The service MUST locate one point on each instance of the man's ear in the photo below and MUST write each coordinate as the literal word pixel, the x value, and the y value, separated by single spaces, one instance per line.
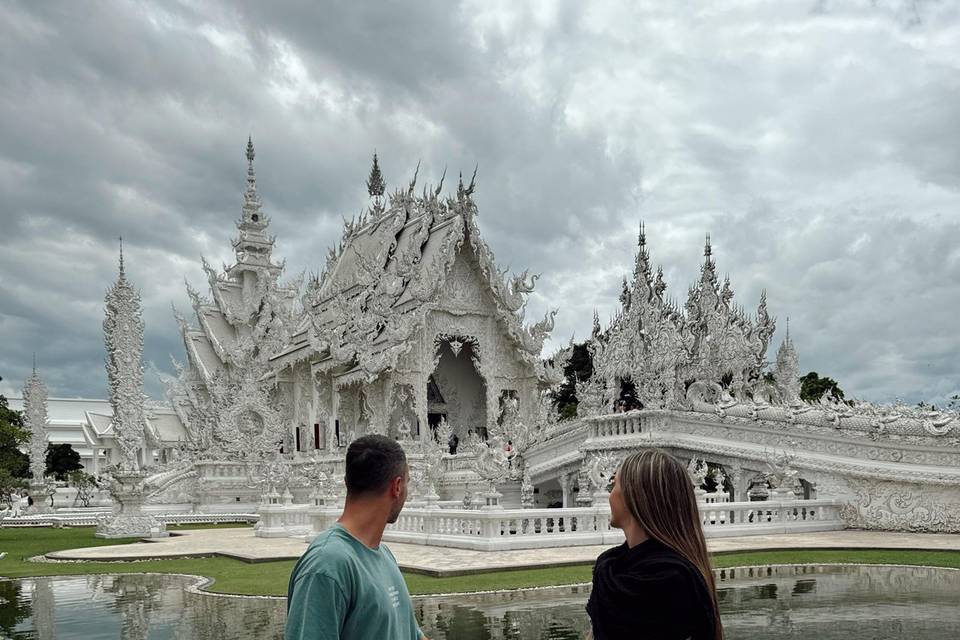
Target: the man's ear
pixel 396 487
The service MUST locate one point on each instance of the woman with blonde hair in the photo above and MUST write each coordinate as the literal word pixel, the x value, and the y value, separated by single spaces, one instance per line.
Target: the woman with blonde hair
pixel 658 585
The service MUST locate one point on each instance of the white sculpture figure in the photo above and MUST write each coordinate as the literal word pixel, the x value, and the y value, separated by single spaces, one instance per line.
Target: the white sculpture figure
pixel 697 469
pixel 491 464
pixel 782 476
pixel 600 471
pixel 720 478
pixel 430 466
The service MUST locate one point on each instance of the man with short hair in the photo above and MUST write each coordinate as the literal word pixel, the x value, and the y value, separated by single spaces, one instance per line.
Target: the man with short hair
pixel 347 585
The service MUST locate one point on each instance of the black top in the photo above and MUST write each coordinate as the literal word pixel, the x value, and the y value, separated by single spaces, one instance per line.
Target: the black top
pixel 649 592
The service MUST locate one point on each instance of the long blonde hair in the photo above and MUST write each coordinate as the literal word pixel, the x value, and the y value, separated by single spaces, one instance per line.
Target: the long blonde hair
pixel 658 493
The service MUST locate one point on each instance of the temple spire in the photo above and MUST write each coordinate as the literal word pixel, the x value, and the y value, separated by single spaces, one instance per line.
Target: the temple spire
pixel 36 422
pixel 253 246
pixel 642 237
pixel 121 257
pixel 123 338
pixel 707 250
pixel 251 201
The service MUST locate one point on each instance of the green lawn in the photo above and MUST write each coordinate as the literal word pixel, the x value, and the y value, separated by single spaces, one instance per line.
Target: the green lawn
pixel 270 578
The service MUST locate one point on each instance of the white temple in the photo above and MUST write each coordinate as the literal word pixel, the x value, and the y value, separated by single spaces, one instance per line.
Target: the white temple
pixel 412 330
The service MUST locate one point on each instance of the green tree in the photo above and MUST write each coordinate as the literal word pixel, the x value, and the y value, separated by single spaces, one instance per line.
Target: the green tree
pixel 13 462
pixel 813 387
pixel 579 368
pixel 61 460
pixel 85 484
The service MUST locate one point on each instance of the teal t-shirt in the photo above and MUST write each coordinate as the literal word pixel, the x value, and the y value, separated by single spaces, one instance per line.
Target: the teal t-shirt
pixel 341 588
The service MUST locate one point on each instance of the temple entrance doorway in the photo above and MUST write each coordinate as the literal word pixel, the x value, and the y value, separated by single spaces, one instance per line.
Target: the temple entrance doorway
pixel 627 396
pixel 456 392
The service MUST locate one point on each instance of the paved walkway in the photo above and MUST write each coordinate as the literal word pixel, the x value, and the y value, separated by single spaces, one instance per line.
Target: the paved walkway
pixel 440 561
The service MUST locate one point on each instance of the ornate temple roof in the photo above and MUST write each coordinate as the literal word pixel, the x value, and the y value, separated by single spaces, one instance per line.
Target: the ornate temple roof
pixel 388 271
pixel 662 348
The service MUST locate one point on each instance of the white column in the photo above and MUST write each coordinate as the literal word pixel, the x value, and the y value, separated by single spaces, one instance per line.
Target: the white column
pixel 334 411
pixel 420 395
pixel 315 443
pixel 95 463
pixel 565 487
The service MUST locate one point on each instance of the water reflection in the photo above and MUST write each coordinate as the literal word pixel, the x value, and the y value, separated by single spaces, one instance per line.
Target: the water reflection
pixel 832 603
pixel 544 614
pixel 131 607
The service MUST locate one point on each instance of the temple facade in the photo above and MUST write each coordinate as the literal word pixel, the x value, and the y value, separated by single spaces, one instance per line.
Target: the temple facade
pixel 412 330
pixel 410 325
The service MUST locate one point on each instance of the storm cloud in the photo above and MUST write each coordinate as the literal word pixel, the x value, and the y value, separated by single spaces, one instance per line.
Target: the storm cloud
pixel 816 142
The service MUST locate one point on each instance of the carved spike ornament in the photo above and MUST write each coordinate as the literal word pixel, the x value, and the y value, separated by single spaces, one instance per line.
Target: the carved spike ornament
pixel 123 337
pixel 35 420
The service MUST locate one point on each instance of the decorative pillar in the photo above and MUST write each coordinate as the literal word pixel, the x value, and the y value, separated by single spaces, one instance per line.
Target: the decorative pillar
pixel 420 402
pixel 36 422
pixel 123 337
pixel 334 413
pixel 584 499
pixel 565 488
pixel 296 394
pixel 736 479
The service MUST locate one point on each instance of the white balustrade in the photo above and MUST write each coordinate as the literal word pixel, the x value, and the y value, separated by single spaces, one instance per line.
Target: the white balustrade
pixel 617 425
pixel 769 517
pixel 535 528
pixel 278 520
pixel 88 518
pixel 506 529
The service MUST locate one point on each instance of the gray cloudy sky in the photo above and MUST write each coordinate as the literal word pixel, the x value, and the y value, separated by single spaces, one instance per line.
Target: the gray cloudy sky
pixel 818 142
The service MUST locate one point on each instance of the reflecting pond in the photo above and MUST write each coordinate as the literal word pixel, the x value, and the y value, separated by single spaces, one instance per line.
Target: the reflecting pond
pixel 829 602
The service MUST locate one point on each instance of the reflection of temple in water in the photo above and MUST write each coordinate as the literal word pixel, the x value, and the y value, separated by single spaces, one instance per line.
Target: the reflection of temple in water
pixel 140 606
pixel 827 602
pixel 534 613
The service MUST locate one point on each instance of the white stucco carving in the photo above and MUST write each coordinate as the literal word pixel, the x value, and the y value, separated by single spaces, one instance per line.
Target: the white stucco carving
pixel 411 328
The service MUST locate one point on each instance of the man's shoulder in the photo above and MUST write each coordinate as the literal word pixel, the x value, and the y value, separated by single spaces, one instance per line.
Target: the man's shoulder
pixel 330 553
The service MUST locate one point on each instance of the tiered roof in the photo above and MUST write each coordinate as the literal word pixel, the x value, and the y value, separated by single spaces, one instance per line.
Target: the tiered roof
pixel 662 347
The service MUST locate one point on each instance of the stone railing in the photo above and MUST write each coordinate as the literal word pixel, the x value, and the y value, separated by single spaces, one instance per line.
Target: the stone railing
pixel 89 518
pixel 939 428
pixel 562 428
pixel 535 528
pixel 283 520
pixel 211 469
pixel 506 529
pixel 769 517
pixel 498 530
pixel 617 424
pixel 459 462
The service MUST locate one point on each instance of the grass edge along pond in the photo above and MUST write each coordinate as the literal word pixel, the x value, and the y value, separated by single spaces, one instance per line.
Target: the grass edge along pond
pixel 270 578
